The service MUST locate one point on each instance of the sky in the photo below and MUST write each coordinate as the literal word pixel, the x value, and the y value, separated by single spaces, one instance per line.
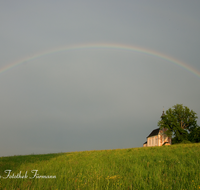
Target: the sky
pixel 93 75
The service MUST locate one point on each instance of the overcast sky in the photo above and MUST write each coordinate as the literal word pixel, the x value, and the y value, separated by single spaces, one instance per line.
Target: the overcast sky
pixel 93 98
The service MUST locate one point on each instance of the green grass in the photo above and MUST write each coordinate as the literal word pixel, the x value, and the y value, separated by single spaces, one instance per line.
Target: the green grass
pixel 168 167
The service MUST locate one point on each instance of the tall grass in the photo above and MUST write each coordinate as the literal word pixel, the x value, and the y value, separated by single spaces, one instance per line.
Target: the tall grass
pixel 168 167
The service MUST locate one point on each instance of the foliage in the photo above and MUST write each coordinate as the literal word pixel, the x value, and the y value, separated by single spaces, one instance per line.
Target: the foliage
pixel 194 136
pixel 185 142
pixel 180 122
pixel 167 167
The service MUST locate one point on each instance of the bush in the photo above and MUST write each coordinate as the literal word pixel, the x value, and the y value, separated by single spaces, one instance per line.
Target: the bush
pixel 185 142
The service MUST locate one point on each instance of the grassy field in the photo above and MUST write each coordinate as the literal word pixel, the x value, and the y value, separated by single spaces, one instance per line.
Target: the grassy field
pixel 168 167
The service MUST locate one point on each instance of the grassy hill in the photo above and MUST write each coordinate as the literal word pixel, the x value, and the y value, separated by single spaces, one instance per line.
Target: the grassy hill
pixel 168 167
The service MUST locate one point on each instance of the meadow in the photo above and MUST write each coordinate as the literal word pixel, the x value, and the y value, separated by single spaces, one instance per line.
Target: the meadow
pixel 167 167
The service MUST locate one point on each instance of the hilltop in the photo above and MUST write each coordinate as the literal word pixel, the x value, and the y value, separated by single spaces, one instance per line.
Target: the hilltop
pixel 166 167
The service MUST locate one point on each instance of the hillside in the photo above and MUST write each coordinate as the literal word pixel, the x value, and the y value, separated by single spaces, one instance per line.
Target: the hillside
pixel 167 167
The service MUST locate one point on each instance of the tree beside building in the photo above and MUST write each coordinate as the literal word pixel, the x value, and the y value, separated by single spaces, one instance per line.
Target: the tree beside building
pixel 180 123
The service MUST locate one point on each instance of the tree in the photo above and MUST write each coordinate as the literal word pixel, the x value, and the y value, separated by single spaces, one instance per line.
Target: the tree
pixel 194 136
pixel 180 122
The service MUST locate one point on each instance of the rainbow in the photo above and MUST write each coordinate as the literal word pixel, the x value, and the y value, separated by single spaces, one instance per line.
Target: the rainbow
pixel 102 46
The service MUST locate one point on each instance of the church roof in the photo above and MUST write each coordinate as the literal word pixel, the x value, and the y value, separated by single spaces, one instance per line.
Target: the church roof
pixel 154 132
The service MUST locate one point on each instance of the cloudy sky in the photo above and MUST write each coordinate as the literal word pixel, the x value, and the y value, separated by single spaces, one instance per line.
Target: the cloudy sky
pixel 100 97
